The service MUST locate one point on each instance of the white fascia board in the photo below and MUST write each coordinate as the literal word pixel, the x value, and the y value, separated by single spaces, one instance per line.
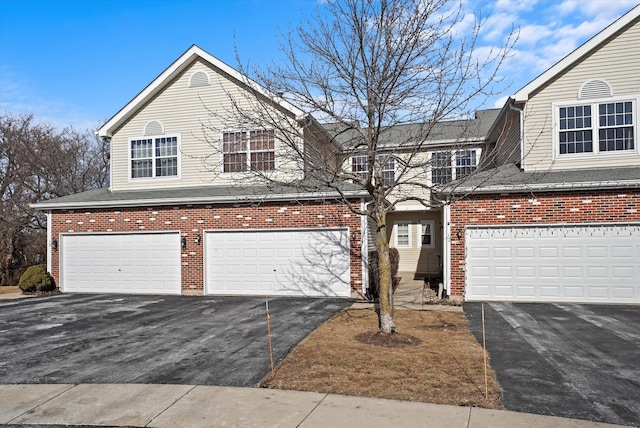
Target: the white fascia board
pixel 523 94
pixel 196 201
pixel 166 76
pixel 550 187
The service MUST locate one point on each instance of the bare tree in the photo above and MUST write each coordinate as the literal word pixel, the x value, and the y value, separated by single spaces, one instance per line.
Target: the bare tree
pixel 38 162
pixel 382 75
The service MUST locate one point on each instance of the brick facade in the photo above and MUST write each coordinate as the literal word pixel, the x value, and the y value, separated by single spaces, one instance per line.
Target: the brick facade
pixel 192 220
pixel 573 207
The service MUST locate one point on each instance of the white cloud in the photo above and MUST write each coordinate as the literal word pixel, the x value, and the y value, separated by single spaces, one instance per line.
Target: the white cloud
pixel 498 26
pixel 514 5
pixel 532 34
pixel 18 97
pixel 602 9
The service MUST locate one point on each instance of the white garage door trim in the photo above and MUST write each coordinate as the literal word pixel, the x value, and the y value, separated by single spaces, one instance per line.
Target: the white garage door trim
pixel 131 262
pixel 585 263
pixel 278 262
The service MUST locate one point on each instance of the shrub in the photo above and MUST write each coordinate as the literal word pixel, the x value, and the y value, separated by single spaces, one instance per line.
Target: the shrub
pixel 36 279
pixel 373 292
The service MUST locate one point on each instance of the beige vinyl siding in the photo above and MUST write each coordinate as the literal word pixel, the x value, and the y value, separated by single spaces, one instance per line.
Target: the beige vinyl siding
pixel 616 61
pixel 186 111
pixel 416 259
pixel 507 149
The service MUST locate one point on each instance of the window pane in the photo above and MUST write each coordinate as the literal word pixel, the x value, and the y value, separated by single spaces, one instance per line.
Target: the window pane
pixel 141 168
pixel 234 142
pixel 236 162
pixel 616 126
pixel 402 234
pixel 262 140
pixel 263 161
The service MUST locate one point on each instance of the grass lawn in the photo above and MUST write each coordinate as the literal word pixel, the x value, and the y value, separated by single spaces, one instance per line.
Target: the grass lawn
pixel 433 358
pixel 9 289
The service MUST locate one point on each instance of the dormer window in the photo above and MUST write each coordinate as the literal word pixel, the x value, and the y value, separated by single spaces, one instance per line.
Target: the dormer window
pixel 248 151
pixel 595 127
pixel 153 157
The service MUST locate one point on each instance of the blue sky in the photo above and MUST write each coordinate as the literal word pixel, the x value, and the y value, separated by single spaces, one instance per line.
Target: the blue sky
pixel 77 62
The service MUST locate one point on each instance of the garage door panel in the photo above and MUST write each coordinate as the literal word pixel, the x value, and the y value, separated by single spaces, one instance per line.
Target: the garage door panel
pixel 579 263
pixel 310 262
pixel 121 263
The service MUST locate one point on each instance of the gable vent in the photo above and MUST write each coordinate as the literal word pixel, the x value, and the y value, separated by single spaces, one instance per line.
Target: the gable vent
pixel 154 128
pixel 199 78
pixel 596 88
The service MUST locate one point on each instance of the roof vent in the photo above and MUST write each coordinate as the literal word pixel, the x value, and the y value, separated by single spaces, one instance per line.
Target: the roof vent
pixel 153 127
pixel 199 78
pixel 596 88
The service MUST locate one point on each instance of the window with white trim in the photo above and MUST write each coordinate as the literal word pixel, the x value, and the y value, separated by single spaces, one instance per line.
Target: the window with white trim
pixel 154 157
pixel 248 151
pixel 403 234
pixel 426 234
pixel 360 167
pixel 599 127
pixel 448 165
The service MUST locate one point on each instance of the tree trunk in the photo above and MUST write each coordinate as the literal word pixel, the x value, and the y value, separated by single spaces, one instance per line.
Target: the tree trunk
pixel 387 323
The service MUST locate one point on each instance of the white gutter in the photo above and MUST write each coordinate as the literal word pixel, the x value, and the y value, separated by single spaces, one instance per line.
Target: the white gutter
pixel 194 200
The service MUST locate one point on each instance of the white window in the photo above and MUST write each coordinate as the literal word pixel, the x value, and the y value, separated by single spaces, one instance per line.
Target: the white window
pixel 360 167
pixel 248 150
pixel 426 234
pixel 403 234
pixel 598 127
pixel 448 165
pixel 153 157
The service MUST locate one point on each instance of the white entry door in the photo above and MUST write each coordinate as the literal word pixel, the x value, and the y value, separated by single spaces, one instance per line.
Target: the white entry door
pixel 575 263
pixel 303 262
pixel 147 263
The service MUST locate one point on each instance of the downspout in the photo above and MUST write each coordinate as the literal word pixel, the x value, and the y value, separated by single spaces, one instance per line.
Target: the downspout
pixel 364 247
pixel 49 249
pixel 521 118
pixel 446 266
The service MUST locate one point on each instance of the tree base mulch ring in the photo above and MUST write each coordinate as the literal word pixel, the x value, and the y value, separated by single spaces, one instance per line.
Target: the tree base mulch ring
pixel 395 340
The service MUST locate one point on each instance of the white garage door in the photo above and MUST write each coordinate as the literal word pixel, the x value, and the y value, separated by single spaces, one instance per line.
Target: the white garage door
pixel 146 263
pixel 582 263
pixel 278 262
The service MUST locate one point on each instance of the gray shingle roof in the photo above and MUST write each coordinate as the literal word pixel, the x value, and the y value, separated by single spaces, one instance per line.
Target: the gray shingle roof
pixel 510 178
pixel 192 195
pixel 444 132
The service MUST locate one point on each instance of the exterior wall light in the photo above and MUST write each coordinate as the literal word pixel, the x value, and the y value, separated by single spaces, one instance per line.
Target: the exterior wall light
pixel 198 239
pixel 54 244
pixel 183 243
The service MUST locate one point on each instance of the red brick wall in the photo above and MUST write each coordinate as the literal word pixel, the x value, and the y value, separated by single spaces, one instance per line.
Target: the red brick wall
pixel 539 208
pixel 191 220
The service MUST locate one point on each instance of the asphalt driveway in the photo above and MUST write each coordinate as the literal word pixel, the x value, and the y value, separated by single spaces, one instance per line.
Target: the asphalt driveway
pixel 569 360
pixel 82 338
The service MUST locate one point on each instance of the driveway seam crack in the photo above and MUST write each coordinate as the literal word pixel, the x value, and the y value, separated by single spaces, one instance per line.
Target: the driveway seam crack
pixel 170 405
pixel 43 402
pixel 312 410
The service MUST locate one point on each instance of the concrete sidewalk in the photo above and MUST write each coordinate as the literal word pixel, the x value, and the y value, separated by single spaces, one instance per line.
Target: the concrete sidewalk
pixel 140 405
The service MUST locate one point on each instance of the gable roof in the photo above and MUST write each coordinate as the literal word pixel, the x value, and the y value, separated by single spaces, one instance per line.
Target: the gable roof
pixel 177 67
pixel 577 54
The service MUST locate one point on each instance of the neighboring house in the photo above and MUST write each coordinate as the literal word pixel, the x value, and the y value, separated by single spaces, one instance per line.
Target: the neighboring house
pixel 178 217
pixel 558 219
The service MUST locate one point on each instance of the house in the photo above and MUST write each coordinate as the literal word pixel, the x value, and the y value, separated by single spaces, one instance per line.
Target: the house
pixel 451 151
pixel 558 217
pixel 179 216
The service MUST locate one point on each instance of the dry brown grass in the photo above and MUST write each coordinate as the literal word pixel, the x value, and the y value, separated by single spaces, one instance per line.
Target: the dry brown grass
pixel 445 367
pixel 9 289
